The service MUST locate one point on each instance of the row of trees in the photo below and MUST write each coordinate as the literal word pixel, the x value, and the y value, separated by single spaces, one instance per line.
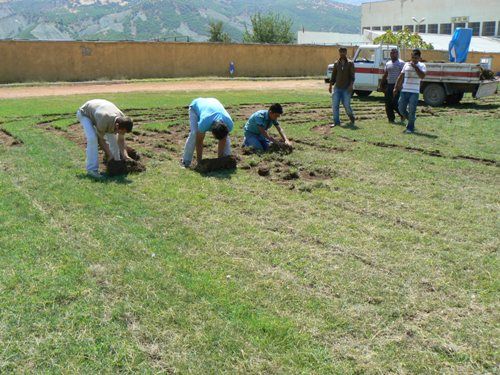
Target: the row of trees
pixel 273 28
pixel 266 28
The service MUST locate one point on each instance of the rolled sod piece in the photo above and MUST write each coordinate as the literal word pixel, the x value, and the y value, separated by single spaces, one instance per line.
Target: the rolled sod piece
pixel 280 147
pixel 217 164
pixel 133 153
pixel 122 167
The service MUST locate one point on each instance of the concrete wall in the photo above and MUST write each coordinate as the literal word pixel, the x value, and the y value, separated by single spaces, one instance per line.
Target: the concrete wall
pixel 23 61
pixel 400 12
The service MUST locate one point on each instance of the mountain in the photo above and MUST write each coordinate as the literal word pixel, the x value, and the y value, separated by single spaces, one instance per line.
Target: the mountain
pixel 161 19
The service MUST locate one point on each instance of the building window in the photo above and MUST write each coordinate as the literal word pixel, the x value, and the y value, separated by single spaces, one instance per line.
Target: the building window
pixel 475 26
pixel 376 28
pixel 445 28
pixel 385 28
pixel 459 24
pixel 410 27
pixel 421 28
pixel 397 28
pixel 366 28
pixel 432 28
pixel 489 28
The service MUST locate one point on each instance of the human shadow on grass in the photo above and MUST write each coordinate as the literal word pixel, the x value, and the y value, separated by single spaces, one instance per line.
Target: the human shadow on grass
pixel 425 135
pixel 350 127
pixel 225 174
pixel 122 180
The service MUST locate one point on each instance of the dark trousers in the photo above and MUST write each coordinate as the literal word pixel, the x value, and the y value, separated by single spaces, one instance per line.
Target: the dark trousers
pixel 391 102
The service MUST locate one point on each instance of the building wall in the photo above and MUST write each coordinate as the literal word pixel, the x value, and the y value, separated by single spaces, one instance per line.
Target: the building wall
pixel 400 12
pixel 85 61
pixel 23 61
pixel 324 38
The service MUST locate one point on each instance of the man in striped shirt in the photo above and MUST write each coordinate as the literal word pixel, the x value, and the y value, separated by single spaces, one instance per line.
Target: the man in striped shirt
pixel 409 84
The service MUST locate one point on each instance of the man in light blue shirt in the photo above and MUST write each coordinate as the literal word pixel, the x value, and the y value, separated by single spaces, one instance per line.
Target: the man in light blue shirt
pixel 257 126
pixel 207 114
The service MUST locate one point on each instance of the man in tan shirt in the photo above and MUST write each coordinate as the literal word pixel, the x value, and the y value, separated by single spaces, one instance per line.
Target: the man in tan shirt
pixel 342 78
pixel 104 125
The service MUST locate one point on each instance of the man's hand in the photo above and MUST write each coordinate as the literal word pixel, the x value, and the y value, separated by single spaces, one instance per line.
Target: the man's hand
pixel 287 142
pixel 330 89
pixel 128 158
pixel 351 88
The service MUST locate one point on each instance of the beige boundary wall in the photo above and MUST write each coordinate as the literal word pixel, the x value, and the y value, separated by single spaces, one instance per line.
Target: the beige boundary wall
pixel 27 61
pixel 22 61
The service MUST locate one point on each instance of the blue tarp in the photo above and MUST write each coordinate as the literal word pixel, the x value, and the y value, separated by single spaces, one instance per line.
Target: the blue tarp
pixel 459 45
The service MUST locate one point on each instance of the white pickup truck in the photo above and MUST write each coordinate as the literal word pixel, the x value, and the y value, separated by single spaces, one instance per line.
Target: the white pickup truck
pixel 443 83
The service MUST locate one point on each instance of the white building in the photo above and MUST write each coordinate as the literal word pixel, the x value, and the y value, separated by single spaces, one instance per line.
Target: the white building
pixel 433 16
pixel 325 38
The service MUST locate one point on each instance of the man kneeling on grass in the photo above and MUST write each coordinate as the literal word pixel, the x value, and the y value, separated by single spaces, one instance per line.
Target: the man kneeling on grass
pixel 207 114
pixel 256 135
pixel 104 125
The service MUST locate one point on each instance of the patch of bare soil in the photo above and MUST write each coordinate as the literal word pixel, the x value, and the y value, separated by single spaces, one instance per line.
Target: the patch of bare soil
pixel 63 89
pixel 7 139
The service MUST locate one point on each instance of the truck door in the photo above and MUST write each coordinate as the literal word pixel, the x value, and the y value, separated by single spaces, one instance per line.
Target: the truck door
pixel 367 68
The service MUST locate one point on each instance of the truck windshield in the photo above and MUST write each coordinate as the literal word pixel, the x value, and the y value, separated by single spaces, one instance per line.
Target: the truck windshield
pixel 365 55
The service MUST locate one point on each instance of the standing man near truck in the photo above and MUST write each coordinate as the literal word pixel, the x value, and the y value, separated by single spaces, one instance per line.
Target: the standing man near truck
pixel 343 75
pixel 409 84
pixel 393 69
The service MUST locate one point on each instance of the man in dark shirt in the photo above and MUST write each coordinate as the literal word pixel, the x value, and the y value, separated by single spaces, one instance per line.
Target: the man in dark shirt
pixel 342 78
pixel 392 71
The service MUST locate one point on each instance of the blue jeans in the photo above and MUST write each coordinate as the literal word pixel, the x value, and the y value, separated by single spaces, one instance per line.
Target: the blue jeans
pixel 256 141
pixel 343 95
pixel 408 102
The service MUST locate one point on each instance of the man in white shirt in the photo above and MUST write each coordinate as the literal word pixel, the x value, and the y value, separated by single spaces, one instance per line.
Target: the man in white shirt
pixel 409 84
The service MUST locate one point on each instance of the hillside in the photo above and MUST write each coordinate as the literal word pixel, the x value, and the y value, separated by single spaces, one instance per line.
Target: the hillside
pixel 161 19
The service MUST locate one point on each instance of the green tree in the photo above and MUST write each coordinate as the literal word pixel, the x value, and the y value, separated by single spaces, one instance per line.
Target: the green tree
pixel 217 34
pixel 270 28
pixel 404 39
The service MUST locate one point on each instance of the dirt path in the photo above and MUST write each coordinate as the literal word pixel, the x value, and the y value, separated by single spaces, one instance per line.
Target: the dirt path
pixel 9 92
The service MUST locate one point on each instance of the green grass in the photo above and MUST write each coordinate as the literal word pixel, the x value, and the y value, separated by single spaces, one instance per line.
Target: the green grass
pixel 388 266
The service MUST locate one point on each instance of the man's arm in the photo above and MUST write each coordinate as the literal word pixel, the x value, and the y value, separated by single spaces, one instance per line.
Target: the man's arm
pixel 123 147
pixel 104 146
pixel 222 145
pixel 333 78
pixel 265 134
pixel 399 83
pixel 283 135
pixel 199 146
pixel 353 76
pixel 420 73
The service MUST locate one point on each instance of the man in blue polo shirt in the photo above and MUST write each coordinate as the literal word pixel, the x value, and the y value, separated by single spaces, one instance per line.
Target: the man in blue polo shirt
pixel 207 114
pixel 256 135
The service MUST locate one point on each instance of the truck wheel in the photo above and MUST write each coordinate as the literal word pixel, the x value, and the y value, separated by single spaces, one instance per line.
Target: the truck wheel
pixel 454 98
pixel 362 94
pixel 434 95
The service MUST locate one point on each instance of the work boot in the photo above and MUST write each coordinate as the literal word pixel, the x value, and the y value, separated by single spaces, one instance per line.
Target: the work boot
pixel 353 120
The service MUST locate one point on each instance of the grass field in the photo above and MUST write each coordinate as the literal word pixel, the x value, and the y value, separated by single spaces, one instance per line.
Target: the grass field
pixel 366 250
